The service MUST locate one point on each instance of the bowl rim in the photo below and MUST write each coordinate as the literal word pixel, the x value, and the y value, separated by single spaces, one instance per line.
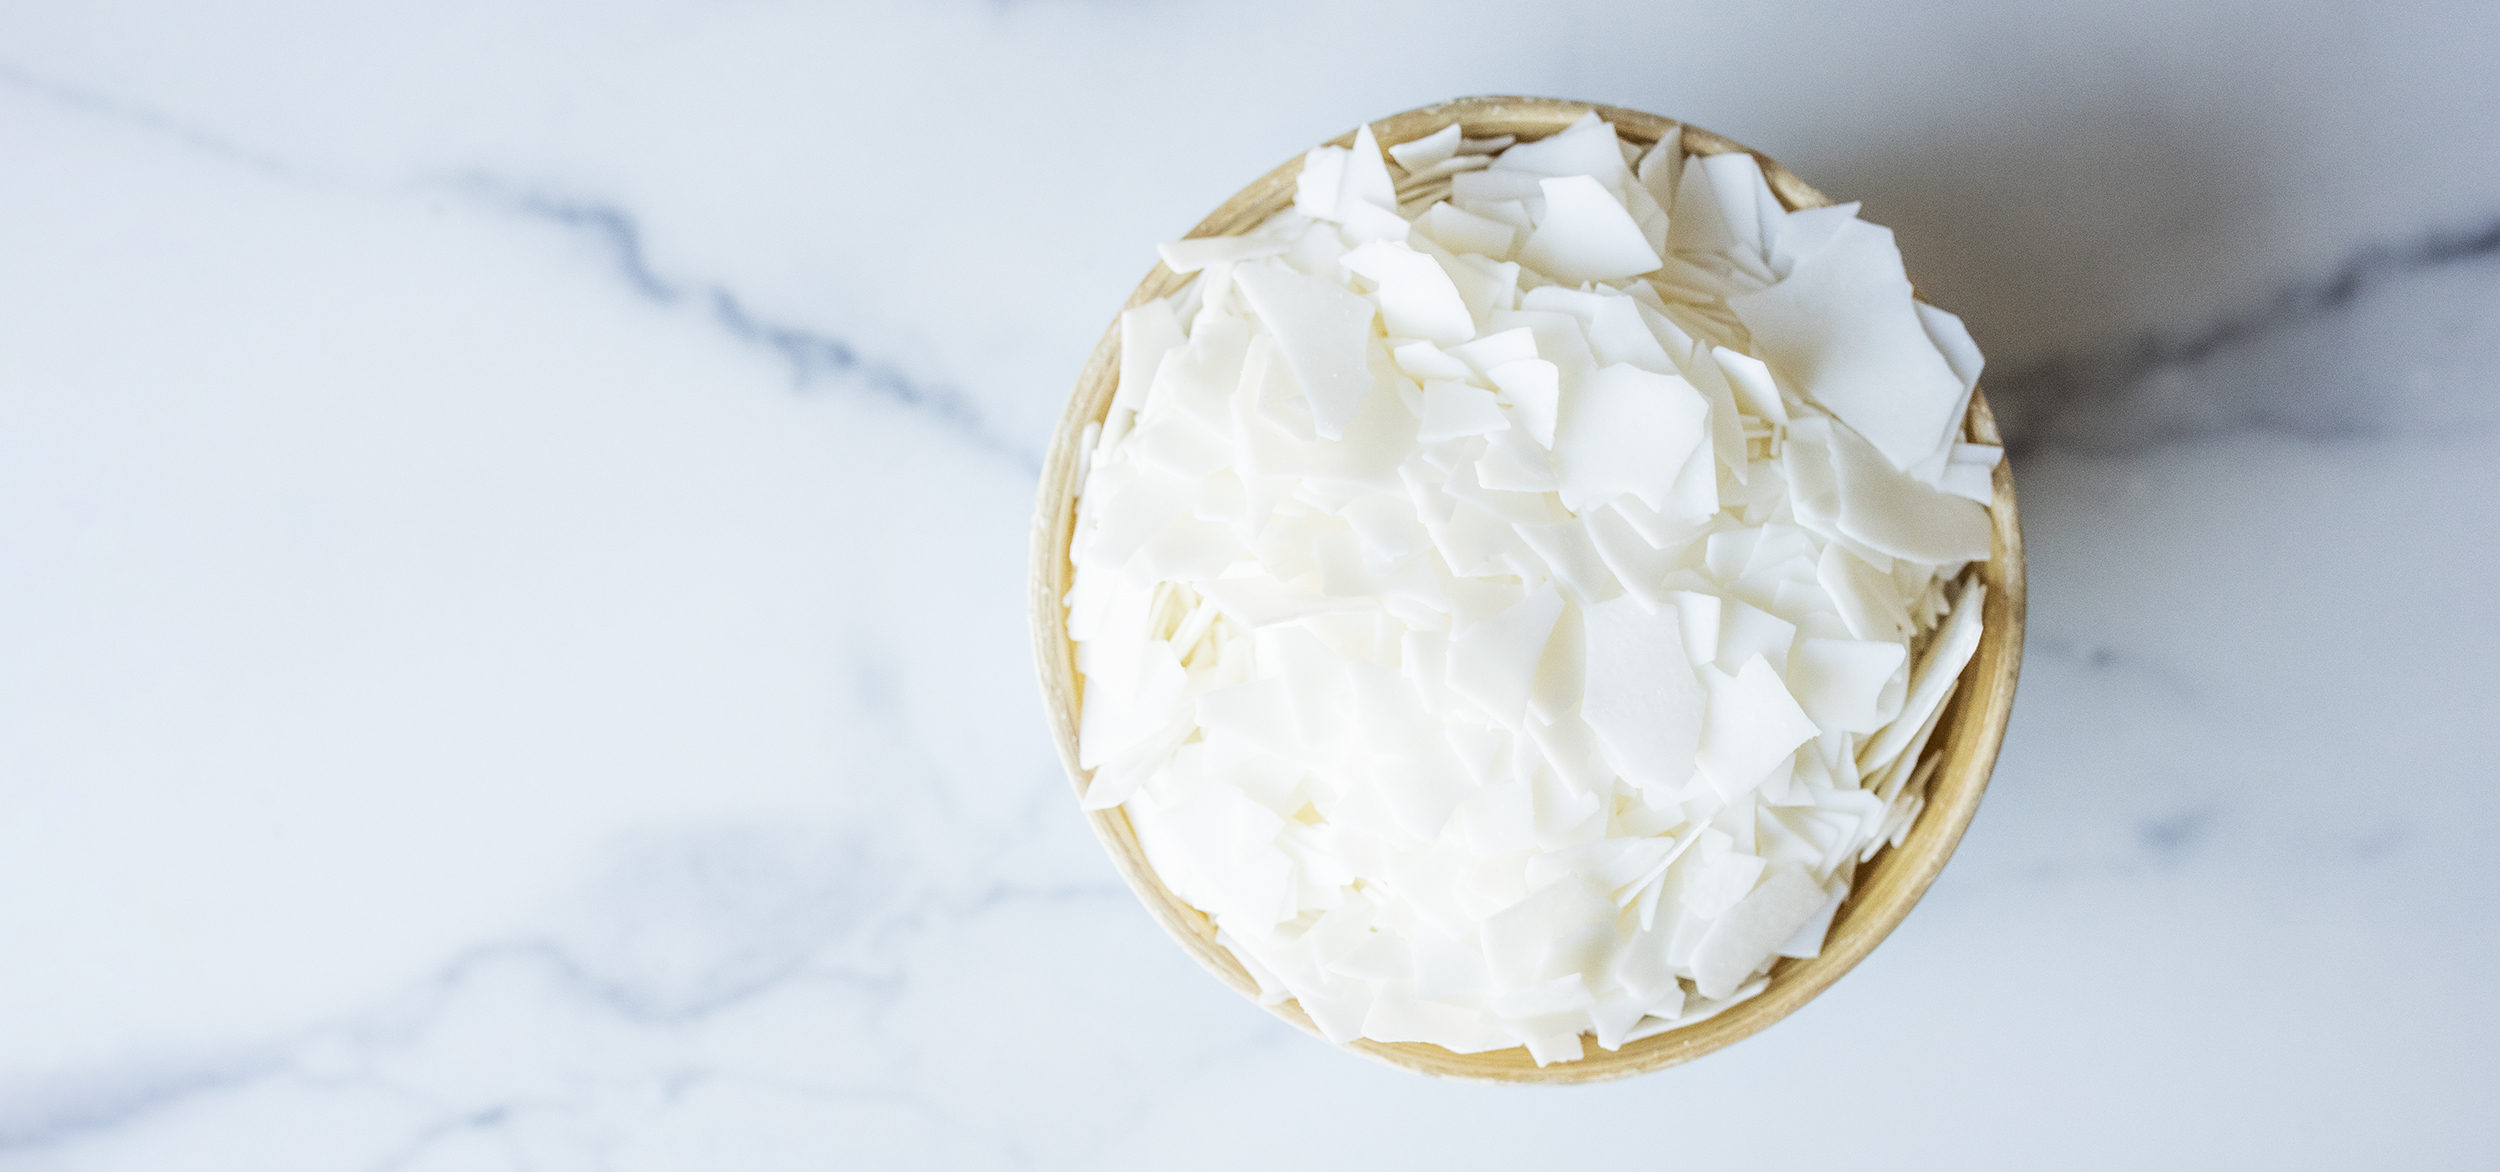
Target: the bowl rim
pixel 1967 738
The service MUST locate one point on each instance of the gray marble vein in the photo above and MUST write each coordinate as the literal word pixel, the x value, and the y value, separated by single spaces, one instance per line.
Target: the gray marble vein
pixel 814 358
pixel 2419 302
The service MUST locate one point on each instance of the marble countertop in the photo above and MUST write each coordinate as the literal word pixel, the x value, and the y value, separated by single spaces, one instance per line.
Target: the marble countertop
pixel 512 528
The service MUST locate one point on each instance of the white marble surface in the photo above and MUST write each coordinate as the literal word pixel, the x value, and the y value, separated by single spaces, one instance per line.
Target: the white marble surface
pixel 511 546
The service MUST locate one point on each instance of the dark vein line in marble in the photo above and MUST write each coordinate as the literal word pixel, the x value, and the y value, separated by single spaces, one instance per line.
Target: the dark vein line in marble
pixel 104 105
pixel 71 1107
pixel 2034 400
pixel 813 357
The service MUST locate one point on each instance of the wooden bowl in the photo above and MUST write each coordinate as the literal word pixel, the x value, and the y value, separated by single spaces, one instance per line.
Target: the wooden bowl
pixel 1967 737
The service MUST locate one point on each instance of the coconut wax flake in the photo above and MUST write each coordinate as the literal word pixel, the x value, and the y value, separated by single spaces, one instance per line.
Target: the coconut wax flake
pixel 1513 620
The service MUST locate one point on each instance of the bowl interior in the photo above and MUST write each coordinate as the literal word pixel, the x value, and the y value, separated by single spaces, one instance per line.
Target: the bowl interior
pixel 1967 737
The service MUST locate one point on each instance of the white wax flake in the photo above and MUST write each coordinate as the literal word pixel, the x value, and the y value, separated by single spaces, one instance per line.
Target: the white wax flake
pixel 1844 331
pixel 1970 473
pixel 1497 349
pixel 1191 255
pixel 1533 388
pixel 1423 360
pixel 1428 150
pixel 1586 235
pixel 1417 297
pixel 1494 662
pixel 1323 330
pixel 1463 231
pixel 1453 410
pixel 1841 683
pixel 1501 624
pixel 1753 725
pixel 1316 189
pixel 1743 938
pixel 1640 696
pixel 1898 515
pixel 1589 149
pixel 1146 334
pixel 1367 176
pixel 1627 431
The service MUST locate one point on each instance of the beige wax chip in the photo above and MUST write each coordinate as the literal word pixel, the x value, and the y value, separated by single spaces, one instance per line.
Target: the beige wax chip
pixel 1323 330
pixel 1843 329
pixel 1417 298
pixel 1628 431
pixel 1586 235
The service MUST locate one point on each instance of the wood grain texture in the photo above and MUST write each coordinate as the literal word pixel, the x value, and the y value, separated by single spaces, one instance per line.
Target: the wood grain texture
pixel 1968 737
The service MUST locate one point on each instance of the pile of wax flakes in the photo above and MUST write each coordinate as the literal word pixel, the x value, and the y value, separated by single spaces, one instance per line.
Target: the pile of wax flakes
pixel 1515 619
